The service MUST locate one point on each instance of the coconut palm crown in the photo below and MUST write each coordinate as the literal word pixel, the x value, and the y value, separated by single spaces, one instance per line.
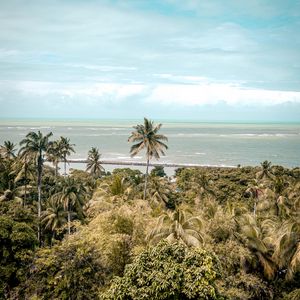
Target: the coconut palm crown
pixel 7 150
pixel 36 144
pixel 65 149
pixel 146 136
pixel 93 163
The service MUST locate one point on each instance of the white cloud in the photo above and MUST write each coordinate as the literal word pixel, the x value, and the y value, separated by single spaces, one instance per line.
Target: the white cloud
pixel 202 91
pixel 115 91
pixel 214 93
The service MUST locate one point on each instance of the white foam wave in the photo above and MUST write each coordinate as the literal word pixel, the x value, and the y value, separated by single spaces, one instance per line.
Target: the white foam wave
pixel 106 134
pixel 232 135
pixel 129 158
pixel 107 128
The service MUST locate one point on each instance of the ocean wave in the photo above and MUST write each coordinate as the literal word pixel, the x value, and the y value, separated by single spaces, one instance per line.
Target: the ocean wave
pixel 92 128
pixel 247 135
pixel 266 134
pixel 105 134
pixel 106 128
pixel 129 158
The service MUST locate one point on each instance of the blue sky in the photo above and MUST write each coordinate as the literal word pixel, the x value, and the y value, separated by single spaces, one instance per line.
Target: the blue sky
pixel 166 59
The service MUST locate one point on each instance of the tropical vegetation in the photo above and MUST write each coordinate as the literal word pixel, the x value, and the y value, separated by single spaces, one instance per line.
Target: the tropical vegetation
pixel 207 233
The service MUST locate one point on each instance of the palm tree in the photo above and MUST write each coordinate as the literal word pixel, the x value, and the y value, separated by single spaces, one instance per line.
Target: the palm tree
pixel 54 154
pixel 179 225
pixel 254 191
pixel 159 190
pixel 35 145
pixel 202 186
pixel 115 188
pixel 71 196
pixel 265 172
pixel 54 217
pixel 66 148
pixel 280 187
pixel 256 237
pixel 93 163
pixel 8 150
pixel 287 245
pixel 146 136
pixel 23 169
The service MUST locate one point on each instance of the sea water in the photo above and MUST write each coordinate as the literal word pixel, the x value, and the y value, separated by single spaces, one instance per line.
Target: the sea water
pixel 218 144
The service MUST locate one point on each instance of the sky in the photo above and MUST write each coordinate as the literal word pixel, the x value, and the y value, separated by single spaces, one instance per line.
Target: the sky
pixel 203 60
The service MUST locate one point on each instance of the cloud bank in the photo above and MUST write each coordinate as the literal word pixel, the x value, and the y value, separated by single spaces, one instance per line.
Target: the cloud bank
pixel 152 57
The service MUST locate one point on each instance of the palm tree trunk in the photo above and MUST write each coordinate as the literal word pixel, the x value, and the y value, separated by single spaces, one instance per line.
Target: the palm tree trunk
pixel 69 222
pixel 56 169
pixel 39 206
pixel 25 195
pixel 65 163
pixel 24 201
pixel 39 182
pixel 146 178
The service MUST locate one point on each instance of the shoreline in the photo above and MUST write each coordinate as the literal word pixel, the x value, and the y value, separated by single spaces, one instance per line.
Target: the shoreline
pixel 151 164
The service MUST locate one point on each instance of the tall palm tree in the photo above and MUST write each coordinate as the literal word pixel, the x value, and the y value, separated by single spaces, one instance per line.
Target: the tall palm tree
pixel 93 163
pixel 66 148
pixel 72 196
pixel 36 144
pixel 8 150
pixel 146 137
pixel 54 154
pixel 179 225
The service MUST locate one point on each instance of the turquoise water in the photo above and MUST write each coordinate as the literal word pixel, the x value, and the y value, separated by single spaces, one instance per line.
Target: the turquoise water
pixel 202 143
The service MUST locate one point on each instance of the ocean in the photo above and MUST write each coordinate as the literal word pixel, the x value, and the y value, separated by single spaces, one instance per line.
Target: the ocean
pixel 214 144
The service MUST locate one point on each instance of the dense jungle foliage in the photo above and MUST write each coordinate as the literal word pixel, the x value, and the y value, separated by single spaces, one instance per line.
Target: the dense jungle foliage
pixel 207 233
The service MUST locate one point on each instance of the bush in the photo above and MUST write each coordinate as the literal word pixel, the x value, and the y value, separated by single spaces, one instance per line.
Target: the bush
pixel 17 242
pixel 167 272
pixel 72 270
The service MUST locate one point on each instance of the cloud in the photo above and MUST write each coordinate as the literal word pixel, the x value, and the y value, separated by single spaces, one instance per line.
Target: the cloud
pixel 171 53
pixel 215 93
pixel 201 91
pixel 114 91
